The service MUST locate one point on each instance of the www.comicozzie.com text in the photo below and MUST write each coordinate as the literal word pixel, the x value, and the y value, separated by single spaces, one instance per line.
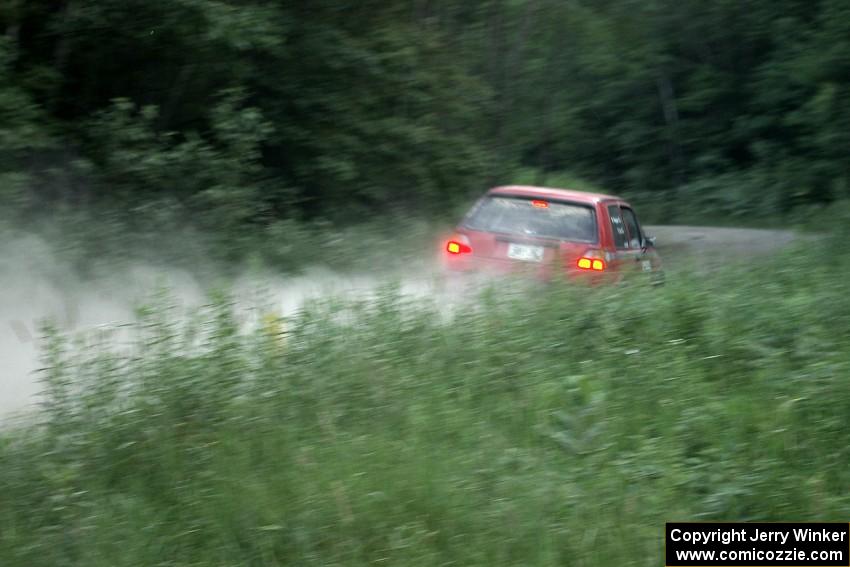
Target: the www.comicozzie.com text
pixel 743 534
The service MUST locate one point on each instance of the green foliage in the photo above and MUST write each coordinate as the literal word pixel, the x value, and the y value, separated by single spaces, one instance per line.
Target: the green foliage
pixel 343 111
pixel 213 178
pixel 21 120
pixel 526 429
pixel 370 120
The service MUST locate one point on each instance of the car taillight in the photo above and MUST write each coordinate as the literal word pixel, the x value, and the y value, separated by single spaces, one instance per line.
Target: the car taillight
pixel 458 245
pixel 589 262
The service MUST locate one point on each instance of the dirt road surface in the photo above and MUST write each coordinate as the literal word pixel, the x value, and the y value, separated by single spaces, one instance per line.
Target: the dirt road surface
pixel 677 244
pixel 36 286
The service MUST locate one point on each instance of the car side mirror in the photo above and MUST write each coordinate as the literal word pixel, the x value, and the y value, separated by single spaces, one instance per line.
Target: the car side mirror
pixel 649 241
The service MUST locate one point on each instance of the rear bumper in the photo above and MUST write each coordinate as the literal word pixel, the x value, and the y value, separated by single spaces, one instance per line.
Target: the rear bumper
pixel 459 266
pixel 490 268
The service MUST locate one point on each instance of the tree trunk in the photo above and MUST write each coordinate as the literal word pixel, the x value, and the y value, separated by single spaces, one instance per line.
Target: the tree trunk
pixel 63 48
pixel 667 97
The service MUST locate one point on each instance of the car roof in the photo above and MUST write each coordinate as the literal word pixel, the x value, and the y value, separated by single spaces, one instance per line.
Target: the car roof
pixel 552 193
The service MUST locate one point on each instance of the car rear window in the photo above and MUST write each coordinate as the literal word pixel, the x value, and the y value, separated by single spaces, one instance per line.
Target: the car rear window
pixel 534 217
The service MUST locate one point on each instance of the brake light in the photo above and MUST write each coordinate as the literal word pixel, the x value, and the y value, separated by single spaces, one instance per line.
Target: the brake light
pixel 540 204
pixel 595 264
pixel 455 247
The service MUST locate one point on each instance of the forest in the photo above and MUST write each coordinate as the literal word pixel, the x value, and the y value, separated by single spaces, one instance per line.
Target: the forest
pixel 250 120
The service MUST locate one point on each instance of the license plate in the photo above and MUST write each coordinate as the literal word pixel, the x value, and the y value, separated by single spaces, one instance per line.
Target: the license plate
pixel 525 253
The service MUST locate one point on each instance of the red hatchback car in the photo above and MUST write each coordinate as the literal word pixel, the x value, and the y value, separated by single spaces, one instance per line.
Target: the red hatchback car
pixel 543 232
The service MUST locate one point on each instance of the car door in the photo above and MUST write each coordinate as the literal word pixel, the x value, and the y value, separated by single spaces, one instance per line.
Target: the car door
pixel 648 259
pixel 629 256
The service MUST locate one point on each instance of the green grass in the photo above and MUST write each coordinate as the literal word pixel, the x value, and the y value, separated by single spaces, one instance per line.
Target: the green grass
pixel 558 427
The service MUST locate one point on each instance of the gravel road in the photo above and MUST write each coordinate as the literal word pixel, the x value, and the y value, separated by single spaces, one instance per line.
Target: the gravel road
pixel 709 246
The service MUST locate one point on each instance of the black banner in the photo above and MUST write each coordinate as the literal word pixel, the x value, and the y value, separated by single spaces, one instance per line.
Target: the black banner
pixel 757 544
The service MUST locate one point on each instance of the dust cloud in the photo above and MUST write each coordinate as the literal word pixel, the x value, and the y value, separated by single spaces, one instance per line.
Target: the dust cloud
pixel 38 286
